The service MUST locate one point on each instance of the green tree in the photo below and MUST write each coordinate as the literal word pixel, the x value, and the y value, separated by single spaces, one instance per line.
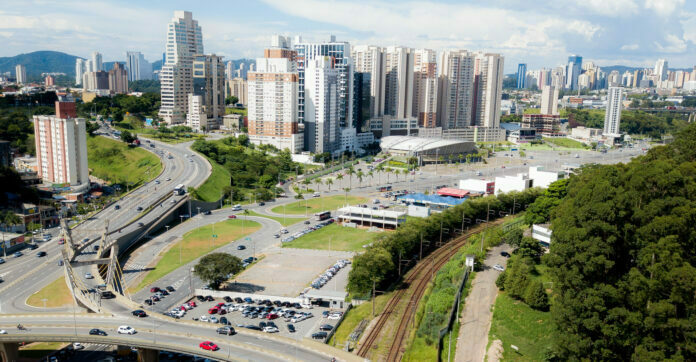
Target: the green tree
pixel 215 268
pixel 372 266
pixel 535 296
pixel 500 281
pixel 127 137
pixel 231 100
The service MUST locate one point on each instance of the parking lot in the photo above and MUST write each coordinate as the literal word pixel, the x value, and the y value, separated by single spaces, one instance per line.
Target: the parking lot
pixel 288 272
pixel 282 316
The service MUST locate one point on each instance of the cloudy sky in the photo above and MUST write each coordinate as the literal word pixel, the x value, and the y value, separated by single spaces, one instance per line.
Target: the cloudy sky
pixel 538 32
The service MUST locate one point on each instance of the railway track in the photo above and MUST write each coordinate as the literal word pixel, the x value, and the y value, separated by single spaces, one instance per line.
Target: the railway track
pixel 417 278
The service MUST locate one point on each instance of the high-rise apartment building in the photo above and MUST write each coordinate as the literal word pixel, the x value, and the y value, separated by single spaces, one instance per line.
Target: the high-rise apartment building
pixel 61 147
pixel 138 68
pixel 339 52
pixel 184 41
pixel 80 69
pixel 49 81
pixel 368 62
pixel 521 76
pixel 573 70
pixel 273 101
pixel 455 89
pixel 95 80
pixel 208 92
pixel 549 100
pixel 638 75
pixel 118 79
pixel 237 87
pixel 322 105
pixel 21 73
pixel 425 87
pixel 229 70
pixel 612 116
pixel 97 64
pixel 398 86
pixel 660 70
pixel 488 90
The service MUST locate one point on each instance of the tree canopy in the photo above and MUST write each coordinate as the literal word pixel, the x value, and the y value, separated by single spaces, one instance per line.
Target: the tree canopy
pixel 215 268
pixel 622 258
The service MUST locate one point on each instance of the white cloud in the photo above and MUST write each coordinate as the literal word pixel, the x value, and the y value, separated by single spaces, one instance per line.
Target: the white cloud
pixel 672 44
pixel 663 7
pixel 689 26
pixel 612 8
pixel 630 47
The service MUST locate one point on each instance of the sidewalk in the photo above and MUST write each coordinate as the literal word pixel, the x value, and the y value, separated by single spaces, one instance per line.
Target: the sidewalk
pixel 476 316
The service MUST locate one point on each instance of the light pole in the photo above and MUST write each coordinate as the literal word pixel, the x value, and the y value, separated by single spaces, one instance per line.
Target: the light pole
pixel 166 227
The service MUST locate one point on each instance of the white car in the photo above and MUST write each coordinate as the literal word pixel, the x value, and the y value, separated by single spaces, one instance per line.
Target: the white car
pixel 89 276
pixel 204 319
pixel 2 331
pixel 78 346
pixel 125 330
pixel 214 320
pixel 334 316
pixel 499 267
pixel 270 329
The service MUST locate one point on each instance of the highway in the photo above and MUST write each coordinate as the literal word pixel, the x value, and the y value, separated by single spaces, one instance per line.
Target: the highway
pixel 27 274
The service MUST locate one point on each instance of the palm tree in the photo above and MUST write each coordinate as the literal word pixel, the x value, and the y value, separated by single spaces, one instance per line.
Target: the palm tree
pixel 346 191
pixel 329 182
pixel 339 176
pixel 351 172
pixel 380 169
pixel 371 175
pixel 460 157
pixel 318 182
pixel 360 176
pixel 306 183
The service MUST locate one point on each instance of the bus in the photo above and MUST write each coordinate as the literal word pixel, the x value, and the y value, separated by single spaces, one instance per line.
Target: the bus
pixel 384 188
pixel 320 216
pixel 179 190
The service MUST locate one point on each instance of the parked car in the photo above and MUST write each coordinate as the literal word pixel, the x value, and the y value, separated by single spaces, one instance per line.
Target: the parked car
pixel 319 335
pixel 154 290
pixel 270 329
pixel 89 276
pixel 326 327
pixel 241 247
pixel 170 288
pixel 291 328
pixel 499 267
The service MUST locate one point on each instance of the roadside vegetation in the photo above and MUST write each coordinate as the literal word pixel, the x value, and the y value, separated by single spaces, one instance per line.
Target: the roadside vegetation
pixel 196 243
pixel 57 294
pixel 211 189
pixel 632 121
pixel 335 237
pixel 117 163
pixel 566 142
pixel 282 221
pixel 354 316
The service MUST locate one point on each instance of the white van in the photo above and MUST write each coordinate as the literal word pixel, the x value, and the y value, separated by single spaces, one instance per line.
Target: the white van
pixel 236 207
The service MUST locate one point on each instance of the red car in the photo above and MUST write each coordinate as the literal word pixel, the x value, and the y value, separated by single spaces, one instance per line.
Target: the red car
pixel 271 316
pixel 154 290
pixel 232 216
pixel 220 305
pixel 209 346
pixel 213 310
pixel 193 304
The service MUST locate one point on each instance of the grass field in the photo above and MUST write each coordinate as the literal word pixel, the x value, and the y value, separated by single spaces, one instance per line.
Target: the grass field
pixel 242 111
pixel 318 204
pixel 115 162
pixel 355 315
pixel 516 323
pixel 288 221
pixel 566 142
pixel 340 237
pixel 39 350
pixel 56 294
pixel 211 189
pixel 197 243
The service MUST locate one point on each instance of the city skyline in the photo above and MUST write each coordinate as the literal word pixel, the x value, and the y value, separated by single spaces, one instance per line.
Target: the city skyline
pixel 541 35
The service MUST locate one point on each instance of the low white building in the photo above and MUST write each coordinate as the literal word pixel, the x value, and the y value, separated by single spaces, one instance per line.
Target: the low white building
pixel 542 178
pixel 542 234
pixel 370 217
pixel 477 185
pixel 520 182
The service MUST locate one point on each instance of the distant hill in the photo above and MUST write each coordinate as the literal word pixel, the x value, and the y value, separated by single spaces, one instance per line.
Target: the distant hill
pixel 44 61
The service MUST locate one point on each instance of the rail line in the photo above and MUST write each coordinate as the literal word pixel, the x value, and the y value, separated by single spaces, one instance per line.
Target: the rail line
pixel 420 276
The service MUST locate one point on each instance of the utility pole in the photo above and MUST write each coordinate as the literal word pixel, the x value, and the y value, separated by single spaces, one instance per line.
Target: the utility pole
pixel 373 297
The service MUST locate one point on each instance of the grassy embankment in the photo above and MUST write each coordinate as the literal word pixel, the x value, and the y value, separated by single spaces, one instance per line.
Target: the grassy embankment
pixel 566 143
pixel 334 237
pixel 56 294
pixel 283 221
pixel 115 162
pixel 211 189
pixel 313 205
pixel 197 243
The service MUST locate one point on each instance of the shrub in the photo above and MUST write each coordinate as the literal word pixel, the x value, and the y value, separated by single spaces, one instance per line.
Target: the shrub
pixel 500 282
pixel 535 296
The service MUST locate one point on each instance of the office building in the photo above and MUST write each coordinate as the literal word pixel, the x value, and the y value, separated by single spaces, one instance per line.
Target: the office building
pixel 661 69
pixel 455 89
pixel 340 54
pixel 138 68
pixel 229 70
pixel 49 81
pixel 549 100
pixel 208 95
pixel 368 62
pixel 425 87
pixel 612 116
pixel 237 87
pixel 61 147
pixel 322 105
pixel 488 90
pixel 544 124
pixel 21 74
pixel 80 69
pixel 118 79
pixel 521 76
pixel 573 70
pixel 398 86
pixel 95 80
pixel 184 41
